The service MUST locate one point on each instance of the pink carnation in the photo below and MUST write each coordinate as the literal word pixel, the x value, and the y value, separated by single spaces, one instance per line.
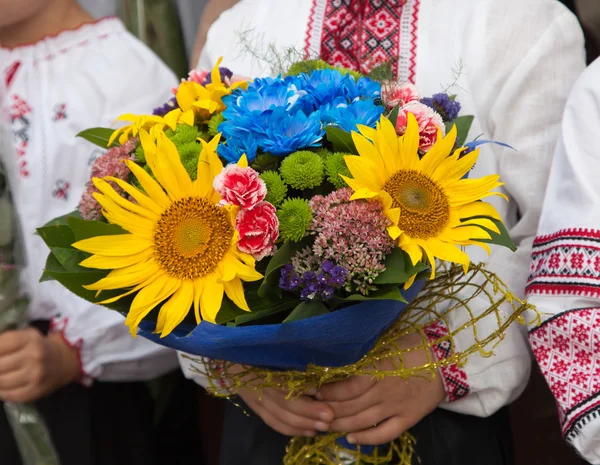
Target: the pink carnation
pixel 429 123
pixel 394 94
pixel 109 164
pixel 240 186
pixel 258 228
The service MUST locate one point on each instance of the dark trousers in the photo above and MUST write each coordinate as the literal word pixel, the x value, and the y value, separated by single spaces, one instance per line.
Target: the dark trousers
pixel 442 438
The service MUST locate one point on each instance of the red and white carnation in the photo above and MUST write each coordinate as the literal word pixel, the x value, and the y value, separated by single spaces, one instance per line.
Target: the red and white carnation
pixel 240 186
pixel 430 122
pixel 258 228
pixel 394 95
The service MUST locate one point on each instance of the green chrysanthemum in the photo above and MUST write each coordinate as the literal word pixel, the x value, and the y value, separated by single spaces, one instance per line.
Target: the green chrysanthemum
pixel 295 217
pixel 213 124
pixel 182 135
pixel 323 153
pixel 276 188
pixel 189 154
pixel 302 170
pixel 336 166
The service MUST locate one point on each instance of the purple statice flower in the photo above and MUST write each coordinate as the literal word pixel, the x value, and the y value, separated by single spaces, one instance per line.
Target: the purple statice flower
pixel 314 281
pixel 166 108
pixel 444 105
pixel 353 236
pixel 226 75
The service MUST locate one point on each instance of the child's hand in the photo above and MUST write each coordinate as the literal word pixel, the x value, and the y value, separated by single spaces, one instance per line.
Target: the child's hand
pixel 33 365
pixel 303 416
pixel 377 412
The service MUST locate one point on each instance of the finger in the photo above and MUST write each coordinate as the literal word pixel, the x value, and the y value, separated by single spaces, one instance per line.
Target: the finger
pixel 281 427
pixel 20 395
pixel 353 407
pixel 348 389
pixel 303 406
pixel 15 379
pixel 11 362
pixel 297 421
pixel 381 434
pixel 364 420
pixel 11 342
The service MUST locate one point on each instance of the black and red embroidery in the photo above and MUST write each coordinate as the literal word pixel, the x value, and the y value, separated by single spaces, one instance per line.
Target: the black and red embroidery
pixel 61 190
pixel 20 113
pixel 60 112
pixel 362 34
pixel 567 262
pixel 567 348
pixel 454 378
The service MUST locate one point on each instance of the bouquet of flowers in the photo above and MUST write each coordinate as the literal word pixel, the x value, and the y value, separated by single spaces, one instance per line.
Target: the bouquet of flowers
pixel 297 226
pixel 28 426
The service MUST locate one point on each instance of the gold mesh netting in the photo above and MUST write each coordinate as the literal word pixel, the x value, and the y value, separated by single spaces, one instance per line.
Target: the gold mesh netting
pixel 476 308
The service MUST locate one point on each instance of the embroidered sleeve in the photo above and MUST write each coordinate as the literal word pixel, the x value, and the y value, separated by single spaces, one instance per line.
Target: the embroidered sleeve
pixel 566 273
pixel 454 377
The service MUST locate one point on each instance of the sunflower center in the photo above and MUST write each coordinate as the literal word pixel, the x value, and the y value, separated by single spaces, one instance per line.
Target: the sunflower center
pixel 424 207
pixel 191 238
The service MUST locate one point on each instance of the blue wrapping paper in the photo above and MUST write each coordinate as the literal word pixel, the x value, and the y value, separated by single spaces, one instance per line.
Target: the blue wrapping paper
pixel 337 339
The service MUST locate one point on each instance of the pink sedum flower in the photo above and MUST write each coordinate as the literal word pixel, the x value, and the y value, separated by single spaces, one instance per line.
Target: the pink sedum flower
pixel 429 123
pixel 258 228
pixel 109 164
pixel 398 94
pixel 240 186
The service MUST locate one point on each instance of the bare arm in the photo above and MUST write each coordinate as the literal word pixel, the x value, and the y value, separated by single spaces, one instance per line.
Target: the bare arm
pixel 212 11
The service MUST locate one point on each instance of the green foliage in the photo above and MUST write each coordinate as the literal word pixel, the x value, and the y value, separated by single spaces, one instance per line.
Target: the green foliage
pixel 336 166
pixel 463 126
pixel 282 257
pixel 398 269
pixel 189 153
pixel 340 140
pixel 309 66
pixel 99 137
pixel 295 217
pixel 276 188
pixel 502 239
pixel 307 310
pixel 302 170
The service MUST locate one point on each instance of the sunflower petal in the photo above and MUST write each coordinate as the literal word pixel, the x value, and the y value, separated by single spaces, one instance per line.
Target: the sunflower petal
pixel 235 291
pixel 150 186
pixel 211 298
pixel 148 298
pixel 177 307
pixel 120 245
pixel 440 151
pixel 125 277
pixel 102 262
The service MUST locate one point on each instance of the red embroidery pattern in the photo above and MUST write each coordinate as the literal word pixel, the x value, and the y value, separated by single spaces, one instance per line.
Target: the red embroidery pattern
pixel 61 190
pixel 363 34
pixel 454 378
pixel 10 73
pixel 19 111
pixel 567 348
pixel 60 112
pixel 566 262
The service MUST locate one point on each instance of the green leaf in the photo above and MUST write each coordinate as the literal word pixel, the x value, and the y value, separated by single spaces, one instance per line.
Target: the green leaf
pixel 340 140
pixel 398 268
pixel 69 258
pixel 57 236
pixel 282 257
pixel 463 126
pixel 86 229
pixel 63 220
pixel 388 292
pixel 255 316
pixel 394 115
pixel 307 310
pixel 52 265
pixel 228 312
pixel 503 239
pixel 99 137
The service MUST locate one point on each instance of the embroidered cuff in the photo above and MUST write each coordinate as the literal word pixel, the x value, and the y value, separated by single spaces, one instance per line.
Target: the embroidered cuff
pixel 567 349
pixel 454 378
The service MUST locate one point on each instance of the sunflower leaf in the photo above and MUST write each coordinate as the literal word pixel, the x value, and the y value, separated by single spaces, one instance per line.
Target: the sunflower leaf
pixel 86 229
pixel 69 258
pixel 503 239
pixel 99 137
pixel 52 265
pixel 267 314
pixel 307 310
pixel 340 140
pixel 60 235
pixel 398 268
pixel 463 126
pixel 387 292
pixel 394 115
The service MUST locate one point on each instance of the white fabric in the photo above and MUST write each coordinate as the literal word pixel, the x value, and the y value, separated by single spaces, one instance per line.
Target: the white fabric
pixel 520 60
pixel 573 201
pixel 76 80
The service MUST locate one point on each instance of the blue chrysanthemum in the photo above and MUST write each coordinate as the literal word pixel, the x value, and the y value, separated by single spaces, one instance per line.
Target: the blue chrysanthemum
pixel 283 133
pixel 233 149
pixel 347 117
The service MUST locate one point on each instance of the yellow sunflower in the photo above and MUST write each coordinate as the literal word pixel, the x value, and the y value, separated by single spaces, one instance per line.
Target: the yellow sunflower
pixel 432 209
pixel 150 123
pixel 181 246
pixel 206 100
